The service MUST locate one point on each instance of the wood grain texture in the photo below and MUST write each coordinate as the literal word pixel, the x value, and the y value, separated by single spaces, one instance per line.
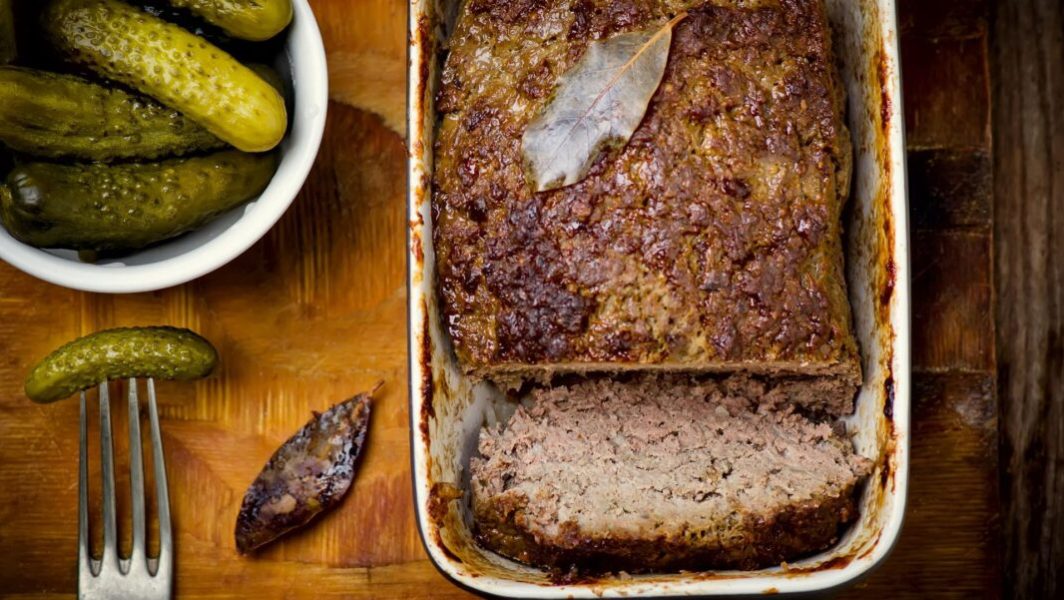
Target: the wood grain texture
pixel 943 19
pixel 948 547
pixel 365 43
pixel 309 316
pixel 951 312
pixel 950 542
pixel 950 189
pixel 951 103
pixel 315 312
pixel 1029 230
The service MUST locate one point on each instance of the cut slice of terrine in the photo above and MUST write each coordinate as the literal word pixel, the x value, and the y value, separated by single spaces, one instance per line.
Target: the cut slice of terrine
pixel 661 473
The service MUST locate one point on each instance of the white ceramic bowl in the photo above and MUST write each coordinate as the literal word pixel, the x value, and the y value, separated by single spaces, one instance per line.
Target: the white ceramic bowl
pixel 302 65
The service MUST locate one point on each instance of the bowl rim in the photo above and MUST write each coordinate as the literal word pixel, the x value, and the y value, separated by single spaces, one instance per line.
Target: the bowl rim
pixel 311 97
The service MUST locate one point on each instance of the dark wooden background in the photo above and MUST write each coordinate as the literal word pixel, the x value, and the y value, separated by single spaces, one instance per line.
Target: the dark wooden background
pixel 950 543
pixel 1028 132
pixel 315 312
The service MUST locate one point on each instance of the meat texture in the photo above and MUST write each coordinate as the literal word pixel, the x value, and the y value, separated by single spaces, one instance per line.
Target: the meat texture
pixel 711 242
pixel 661 473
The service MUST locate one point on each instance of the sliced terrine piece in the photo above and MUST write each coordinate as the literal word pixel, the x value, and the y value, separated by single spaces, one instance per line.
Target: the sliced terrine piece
pixel 661 473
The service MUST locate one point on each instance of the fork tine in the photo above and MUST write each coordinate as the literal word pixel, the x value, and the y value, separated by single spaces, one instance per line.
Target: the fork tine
pixel 138 554
pixel 107 468
pixel 166 555
pixel 85 570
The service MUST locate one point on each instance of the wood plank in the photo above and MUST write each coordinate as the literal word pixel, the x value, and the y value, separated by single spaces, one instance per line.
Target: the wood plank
pixel 950 189
pixel 312 314
pixel 938 19
pixel 1029 233
pixel 365 44
pixel 946 92
pixel 951 305
pixel 948 544
pixel 950 541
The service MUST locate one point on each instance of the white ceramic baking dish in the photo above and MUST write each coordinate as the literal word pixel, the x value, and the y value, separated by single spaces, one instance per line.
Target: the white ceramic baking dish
pixel 447 409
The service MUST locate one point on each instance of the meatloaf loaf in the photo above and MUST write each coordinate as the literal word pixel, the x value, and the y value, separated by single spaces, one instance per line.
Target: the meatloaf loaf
pixel 710 242
pixel 661 473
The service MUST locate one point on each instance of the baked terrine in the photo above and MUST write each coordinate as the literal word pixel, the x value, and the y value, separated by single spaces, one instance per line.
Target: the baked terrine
pixel 711 242
pixel 681 312
pixel 661 472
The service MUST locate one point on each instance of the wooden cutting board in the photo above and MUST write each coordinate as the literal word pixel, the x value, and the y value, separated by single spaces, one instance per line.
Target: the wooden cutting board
pixel 309 316
pixel 316 312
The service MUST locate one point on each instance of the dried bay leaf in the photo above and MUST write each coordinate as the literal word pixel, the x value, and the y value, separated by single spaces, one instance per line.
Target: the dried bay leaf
pixel 598 104
pixel 308 475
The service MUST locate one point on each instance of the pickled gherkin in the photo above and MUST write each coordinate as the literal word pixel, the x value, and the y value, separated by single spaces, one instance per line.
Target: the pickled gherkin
pixel 159 352
pixel 269 75
pixel 64 116
pixel 254 20
pixel 123 207
pixel 172 65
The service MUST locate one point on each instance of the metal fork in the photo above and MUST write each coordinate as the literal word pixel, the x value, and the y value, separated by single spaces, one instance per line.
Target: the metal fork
pixel 137 577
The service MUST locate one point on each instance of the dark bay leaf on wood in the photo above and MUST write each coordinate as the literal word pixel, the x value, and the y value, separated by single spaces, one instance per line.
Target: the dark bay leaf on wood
pixel 597 105
pixel 308 475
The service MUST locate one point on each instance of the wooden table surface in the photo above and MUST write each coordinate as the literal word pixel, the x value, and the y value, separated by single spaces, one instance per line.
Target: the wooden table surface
pixel 316 312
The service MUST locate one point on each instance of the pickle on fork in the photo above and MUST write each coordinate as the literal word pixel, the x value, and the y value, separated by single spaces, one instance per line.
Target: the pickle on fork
pixel 159 352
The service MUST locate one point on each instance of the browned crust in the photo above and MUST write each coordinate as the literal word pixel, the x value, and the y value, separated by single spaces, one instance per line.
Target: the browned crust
pixel 617 270
pixel 755 542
